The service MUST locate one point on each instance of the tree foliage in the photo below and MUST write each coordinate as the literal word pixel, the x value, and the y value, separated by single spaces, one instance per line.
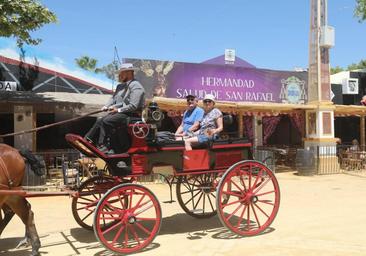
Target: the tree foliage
pixel 87 63
pixel 360 65
pixel 353 66
pixel 110 70
pixel 360 10
pixel 21 17
pixel 90 64
pixel 336 69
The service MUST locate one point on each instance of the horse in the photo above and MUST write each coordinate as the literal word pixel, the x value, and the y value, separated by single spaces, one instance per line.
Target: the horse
pixel 12 168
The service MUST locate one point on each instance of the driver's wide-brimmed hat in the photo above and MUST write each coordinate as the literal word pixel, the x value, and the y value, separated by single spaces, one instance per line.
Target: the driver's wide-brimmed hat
pixel 127 67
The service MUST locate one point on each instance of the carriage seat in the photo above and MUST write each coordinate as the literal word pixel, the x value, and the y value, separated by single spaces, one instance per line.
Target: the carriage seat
pixel 166 139
pixel 171 144
pixel 230 141
pixel 220 143
pixel 133 120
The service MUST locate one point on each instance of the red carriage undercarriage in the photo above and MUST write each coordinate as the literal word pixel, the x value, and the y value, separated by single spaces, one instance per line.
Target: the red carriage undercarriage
pixel 217 178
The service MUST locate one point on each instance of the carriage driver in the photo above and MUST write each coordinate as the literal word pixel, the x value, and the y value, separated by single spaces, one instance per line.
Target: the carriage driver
pixel 127 101
pixel 191 117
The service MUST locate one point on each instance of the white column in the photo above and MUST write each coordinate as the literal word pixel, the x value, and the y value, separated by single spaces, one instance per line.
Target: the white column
pixel 24 119
pixel 258 131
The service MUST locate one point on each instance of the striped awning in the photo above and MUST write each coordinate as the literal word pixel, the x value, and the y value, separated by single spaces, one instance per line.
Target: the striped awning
pixel 176 107
pixel 349 110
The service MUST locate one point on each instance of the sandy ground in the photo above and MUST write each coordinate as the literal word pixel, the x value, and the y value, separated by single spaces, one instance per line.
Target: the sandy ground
pixel 319 215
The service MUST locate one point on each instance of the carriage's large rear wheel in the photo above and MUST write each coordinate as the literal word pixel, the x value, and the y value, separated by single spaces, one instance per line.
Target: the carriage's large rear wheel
pixel 254 198
pixel 90 192
pixel 196 194
pixel 127 218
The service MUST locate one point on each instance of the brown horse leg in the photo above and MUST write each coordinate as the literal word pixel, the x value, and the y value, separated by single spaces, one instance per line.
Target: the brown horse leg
pixel 23 209
pixel 2 203
pixel 8 215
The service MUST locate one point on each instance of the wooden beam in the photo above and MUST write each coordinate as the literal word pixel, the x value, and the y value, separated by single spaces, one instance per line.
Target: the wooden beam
pixel 362 130
pixel 240 124
pixel 235 107
pixel 350 110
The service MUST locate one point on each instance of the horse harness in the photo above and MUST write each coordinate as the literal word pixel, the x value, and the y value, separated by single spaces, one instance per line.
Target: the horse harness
pixel 4 171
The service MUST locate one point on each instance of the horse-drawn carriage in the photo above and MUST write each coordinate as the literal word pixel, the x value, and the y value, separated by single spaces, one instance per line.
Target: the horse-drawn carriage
pixel 217 178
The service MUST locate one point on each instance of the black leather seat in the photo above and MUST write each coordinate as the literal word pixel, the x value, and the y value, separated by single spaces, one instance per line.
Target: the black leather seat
pixel 133 120
pixel 173 143
pixel 230 141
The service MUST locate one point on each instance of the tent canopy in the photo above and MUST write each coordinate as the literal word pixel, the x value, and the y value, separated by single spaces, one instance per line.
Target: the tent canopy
pixel 179 105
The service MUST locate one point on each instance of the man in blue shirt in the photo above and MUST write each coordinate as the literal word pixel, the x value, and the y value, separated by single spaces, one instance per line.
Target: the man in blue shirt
pixel 191 117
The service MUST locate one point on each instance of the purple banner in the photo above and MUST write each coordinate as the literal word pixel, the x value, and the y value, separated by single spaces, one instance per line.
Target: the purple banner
pixel 227 83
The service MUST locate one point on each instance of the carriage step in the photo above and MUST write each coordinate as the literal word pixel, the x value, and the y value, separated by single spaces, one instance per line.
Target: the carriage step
pixel 35 188
pixel 55 173
pixel 54 184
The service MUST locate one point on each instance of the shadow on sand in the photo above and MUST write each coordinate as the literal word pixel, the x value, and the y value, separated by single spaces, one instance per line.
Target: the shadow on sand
pixel 176 224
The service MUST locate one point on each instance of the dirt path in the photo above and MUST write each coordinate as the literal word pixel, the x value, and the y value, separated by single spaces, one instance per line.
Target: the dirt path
pixel 320 215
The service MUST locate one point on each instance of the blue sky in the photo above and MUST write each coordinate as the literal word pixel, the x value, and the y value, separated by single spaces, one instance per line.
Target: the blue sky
pixel 268 34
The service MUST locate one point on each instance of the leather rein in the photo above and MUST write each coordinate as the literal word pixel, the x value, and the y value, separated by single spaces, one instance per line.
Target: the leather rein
pixel 4 171
pixel 50 125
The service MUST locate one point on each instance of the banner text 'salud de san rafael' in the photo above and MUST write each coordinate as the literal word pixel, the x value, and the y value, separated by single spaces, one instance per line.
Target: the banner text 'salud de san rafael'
pixel 177 80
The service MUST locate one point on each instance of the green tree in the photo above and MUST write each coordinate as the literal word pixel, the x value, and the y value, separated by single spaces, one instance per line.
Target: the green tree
pixel 110 70
pixel 90 64
pixel 360 10
pixel 335 70
pixel 360 65
pixel 87 63
pixel 353 66
pixel 21 17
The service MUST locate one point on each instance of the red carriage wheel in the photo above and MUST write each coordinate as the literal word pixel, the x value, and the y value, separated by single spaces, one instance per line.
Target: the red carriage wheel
pixel 90 192
pixel 196 194
pixel 254 198
pixel 127 219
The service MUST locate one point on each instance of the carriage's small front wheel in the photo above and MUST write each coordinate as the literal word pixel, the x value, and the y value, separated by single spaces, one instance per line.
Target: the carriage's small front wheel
pixel 254 198
pixel 127 218
pixel 90 192
pixel 196 194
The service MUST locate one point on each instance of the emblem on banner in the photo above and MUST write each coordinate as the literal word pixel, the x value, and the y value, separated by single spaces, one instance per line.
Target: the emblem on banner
pixel 153 72
pixel 293 91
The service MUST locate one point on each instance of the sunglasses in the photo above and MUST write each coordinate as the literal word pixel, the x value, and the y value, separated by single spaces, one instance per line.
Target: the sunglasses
pixel 190 99
pixel 207 101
